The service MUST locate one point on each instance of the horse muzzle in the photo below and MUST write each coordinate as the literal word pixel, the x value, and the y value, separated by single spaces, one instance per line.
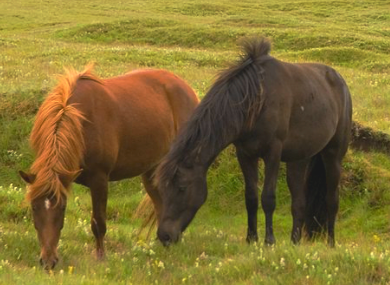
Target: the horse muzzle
pixel 48 261
pixel 167 238
pixel 48 265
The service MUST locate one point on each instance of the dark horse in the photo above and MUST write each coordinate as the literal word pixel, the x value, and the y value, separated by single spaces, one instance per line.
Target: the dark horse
pixel 277 111
pixel 92 131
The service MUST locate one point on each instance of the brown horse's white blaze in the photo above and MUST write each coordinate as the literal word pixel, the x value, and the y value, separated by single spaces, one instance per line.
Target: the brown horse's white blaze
pixel 92 131
pixel 51 229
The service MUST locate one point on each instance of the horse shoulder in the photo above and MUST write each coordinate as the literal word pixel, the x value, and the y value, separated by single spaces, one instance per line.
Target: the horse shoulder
pixel 100 109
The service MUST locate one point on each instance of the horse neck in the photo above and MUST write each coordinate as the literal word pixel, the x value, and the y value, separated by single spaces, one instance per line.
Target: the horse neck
pixel 204 151
pixel 206 158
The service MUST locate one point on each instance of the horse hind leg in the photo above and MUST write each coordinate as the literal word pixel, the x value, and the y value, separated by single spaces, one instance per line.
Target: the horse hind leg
pixel 249 167
pixel 296 174
pixel 151 189
pixel 150 207
pixel 332 164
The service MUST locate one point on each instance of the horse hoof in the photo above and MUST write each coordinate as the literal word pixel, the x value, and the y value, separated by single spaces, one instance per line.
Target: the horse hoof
pixel 269 241
pixel 331 243
pixel 100 255
pixel 296 241
pixel 252 238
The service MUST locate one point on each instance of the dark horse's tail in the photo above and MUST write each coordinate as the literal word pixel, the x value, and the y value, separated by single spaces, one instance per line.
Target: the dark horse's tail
pixel 316 211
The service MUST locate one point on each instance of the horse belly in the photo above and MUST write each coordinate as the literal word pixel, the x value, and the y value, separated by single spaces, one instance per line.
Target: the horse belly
pixel 301 149
pixel 304 142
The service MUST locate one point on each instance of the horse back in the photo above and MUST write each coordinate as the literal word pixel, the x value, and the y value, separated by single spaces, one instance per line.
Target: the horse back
pixel 131 120
pixel 308 104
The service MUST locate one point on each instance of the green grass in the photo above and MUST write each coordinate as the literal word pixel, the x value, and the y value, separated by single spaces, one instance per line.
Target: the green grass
pixel 194 39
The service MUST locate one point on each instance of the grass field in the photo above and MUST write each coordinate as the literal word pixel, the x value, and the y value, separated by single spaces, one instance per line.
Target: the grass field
pixel 194 39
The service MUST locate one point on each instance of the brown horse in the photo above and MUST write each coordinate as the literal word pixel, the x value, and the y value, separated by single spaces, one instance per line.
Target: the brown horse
pixel 91 131
pixel 277 111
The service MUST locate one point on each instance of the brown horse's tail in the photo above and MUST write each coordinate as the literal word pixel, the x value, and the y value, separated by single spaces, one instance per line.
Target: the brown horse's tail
pixel 315 190
pixel 146 213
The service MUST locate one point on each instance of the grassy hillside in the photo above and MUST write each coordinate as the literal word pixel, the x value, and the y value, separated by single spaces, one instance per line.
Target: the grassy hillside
pixel 194 39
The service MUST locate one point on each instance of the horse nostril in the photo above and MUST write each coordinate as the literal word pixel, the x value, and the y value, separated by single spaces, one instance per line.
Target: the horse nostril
pixel 164 238
pixel 166 242
pixel 41 261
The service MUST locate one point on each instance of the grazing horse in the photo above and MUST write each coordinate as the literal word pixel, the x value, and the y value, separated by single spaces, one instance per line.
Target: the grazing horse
pixel 269 109
pixel 92 131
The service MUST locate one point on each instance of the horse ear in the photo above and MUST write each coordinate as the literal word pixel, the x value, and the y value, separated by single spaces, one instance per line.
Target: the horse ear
pixel 66 180
pixel 28 177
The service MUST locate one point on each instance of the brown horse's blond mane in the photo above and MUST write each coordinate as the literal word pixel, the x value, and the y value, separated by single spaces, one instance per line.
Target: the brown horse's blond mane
pixel 57 138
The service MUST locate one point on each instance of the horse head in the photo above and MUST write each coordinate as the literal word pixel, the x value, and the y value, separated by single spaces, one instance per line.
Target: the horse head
pixel 48 209
pixel 182 197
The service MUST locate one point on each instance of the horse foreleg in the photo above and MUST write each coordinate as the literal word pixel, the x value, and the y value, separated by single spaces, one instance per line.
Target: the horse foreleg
pixel 296 173
pixel 268 200
pixel 99 189
pixel 333 172
pixel 249 167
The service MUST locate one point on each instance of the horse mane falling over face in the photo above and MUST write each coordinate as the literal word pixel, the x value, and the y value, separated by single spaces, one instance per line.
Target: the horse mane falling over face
pixel 298 113
pixel 57 139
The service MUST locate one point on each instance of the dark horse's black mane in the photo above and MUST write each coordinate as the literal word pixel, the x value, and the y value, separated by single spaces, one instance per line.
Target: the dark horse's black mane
pixel 230 105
